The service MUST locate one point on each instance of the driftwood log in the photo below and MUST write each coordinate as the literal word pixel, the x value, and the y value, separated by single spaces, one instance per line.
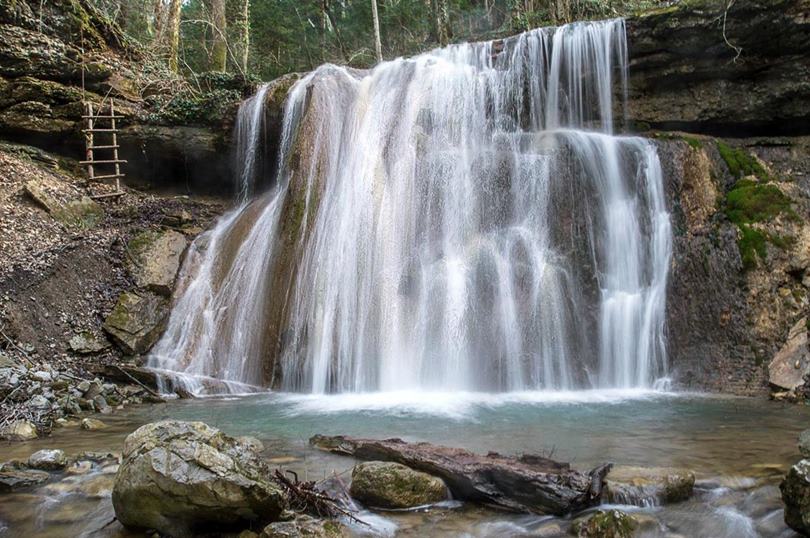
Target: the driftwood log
pixel 527 483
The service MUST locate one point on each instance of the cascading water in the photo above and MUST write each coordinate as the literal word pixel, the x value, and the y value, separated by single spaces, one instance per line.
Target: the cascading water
pixel 462 220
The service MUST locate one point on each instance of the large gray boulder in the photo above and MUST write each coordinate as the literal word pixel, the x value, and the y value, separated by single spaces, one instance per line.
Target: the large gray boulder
pixel 384 484
pixel 137 320
pixel 796 496
pixel 792 362
pixel 154 258
pixel 181 478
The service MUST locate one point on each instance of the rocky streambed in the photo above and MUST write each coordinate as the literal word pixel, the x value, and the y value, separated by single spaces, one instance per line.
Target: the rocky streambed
pixel 696 467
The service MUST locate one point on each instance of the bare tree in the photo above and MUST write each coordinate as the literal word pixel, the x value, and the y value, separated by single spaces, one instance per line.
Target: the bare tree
pixel 173 32
pixel 219 49
pixel 377 41
pixel 440 20
pixel 239 32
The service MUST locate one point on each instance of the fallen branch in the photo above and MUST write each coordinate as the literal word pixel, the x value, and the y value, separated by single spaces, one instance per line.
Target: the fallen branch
pixel 529 483
pixel 131 377
pixel 306 497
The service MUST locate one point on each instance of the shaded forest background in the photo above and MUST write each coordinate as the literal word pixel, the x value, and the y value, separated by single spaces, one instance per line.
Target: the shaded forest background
pixel 263 39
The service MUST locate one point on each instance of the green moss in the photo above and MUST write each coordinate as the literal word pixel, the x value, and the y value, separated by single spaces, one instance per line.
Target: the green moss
pixel 693 142
pixel 142 240
pixel 750 202
pixel 606 524
pixel 187 108
pixel 740 163
pixel 752 245
pixel 785 242
pixel 83 213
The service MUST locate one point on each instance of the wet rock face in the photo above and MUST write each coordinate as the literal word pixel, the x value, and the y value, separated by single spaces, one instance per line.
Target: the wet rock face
pixel 684 74
pixel 796 496
pixel 137 320
pixel 183 477
pixel 649 485
pixel 392 485
pixel 13 478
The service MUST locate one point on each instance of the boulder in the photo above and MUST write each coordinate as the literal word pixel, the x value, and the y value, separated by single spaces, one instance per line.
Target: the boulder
pixel 649 485
pixel 796 496
pixel 65 203
pixel 792 362
pixel 154 258
pixel 48 460
pixel 13 477
pixel 305 526
pixel 137 320
pixel 605 524
pixel 19 430
pixel 86 342
pixel 392 485
pixel 92 424
pixel 182 477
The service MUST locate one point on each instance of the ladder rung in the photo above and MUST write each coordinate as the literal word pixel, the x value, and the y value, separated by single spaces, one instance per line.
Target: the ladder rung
pixel 104 117
pixel 114 146
pixel 108 161
pixel 108 195
pixel 100 130
pixel 107 177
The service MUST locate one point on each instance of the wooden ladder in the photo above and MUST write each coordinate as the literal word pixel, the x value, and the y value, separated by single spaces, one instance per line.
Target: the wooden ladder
pixel 94 118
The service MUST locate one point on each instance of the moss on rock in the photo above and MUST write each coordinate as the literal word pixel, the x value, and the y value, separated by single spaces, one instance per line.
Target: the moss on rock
pixel 740 163
pixel 605 524
pixel 749 203
pixel 393 485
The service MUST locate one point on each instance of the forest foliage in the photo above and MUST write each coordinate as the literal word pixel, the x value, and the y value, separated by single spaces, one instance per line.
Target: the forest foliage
pixel 267 38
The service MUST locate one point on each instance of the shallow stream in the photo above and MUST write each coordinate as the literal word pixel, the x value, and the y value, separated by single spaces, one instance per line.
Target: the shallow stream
pixel 739 449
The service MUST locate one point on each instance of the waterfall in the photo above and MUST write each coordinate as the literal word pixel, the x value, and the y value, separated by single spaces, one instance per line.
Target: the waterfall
pixel 461 220
pixel 247 136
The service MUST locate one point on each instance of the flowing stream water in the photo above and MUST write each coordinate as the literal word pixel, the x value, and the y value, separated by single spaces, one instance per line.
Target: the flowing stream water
pixel 462 220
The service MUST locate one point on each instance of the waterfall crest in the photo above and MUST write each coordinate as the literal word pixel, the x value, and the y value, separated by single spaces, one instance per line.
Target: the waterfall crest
pixel 461 220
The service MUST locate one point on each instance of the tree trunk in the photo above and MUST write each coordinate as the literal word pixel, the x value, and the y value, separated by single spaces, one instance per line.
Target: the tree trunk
pixel 528 483
pixel 173 33
pixel 440 21
pixel 239 33
pixel 159 20
pixel 219 50
pixel 377 41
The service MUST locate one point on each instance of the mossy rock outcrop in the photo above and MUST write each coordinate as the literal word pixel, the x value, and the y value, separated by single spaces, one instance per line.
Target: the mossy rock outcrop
pixel 137 320
pixel 184 478
pixel 65 203
pixel 392 485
